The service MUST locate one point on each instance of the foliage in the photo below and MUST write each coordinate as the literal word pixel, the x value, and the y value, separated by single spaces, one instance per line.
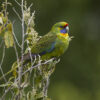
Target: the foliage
pixel 28 80
pixel 6 27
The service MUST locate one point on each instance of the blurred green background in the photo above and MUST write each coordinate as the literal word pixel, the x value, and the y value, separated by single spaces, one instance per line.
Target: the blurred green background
pixel 77 76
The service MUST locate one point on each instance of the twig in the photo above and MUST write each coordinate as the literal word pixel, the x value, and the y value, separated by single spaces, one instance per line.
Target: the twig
pixel 6 7
pixel 2 63
pixel 31 18
pixel 30 5
pixel 32 67
pixel 46 86
pixel 16 52
pixel 2 98
pixel 18 3
pixel 3 75
pixel 15 36
pixel 17 13
pixel 39 62
pixel 29 49
pixel 1 66
pixel 20 70
pixel 48 61
pixel 22 50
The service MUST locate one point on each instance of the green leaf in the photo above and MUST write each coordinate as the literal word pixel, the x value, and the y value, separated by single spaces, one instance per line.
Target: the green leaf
pixel 6 30
pixel 8 36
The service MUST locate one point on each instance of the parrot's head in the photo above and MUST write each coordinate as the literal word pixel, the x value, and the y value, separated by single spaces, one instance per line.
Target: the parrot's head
pixel 61 28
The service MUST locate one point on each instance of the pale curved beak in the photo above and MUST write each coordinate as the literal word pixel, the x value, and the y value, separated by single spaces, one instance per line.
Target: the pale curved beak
pixel 67 28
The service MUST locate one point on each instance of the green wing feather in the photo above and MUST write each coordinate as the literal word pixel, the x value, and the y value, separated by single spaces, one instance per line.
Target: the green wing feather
pixel 44 43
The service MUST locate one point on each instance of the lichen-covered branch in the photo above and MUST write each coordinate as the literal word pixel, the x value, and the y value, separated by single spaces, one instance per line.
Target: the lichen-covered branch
pixel 28 80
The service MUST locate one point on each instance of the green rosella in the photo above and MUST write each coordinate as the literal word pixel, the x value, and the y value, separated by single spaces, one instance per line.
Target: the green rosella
pixel 53 44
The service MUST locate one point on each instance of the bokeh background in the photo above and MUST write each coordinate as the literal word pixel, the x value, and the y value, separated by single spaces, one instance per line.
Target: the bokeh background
pixel 77 76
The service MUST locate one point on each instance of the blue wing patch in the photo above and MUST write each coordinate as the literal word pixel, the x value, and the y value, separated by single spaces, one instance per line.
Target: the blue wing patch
pixel 48 50
pixel 52 47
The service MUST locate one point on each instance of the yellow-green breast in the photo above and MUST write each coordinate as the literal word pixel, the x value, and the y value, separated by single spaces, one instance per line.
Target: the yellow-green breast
pixel 61 45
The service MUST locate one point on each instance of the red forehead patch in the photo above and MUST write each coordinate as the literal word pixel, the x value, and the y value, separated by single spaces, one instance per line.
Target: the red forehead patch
pixel 65 25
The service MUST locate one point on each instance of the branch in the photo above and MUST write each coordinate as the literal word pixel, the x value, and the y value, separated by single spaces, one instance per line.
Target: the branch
pixel 22 50
pixel 15 35
pixel 32 67
pixel 17 14
pixel 17 3
pixel 2 63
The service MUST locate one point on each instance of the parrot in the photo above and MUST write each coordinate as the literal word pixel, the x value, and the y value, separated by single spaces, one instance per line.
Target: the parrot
pixel 53 44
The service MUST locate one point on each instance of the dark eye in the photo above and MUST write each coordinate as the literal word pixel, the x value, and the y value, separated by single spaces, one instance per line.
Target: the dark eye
pixel 61 27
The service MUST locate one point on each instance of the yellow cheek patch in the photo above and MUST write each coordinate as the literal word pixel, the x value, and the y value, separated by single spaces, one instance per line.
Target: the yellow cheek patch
pixel 64 34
